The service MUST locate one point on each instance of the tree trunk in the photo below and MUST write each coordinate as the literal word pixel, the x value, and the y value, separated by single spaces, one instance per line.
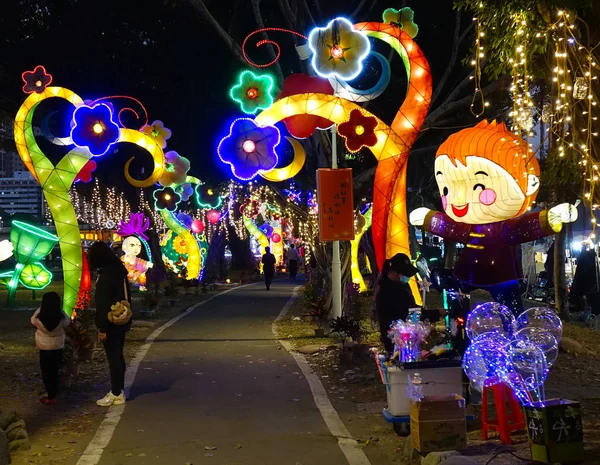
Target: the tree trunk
pixel 241 254
pixel 215 263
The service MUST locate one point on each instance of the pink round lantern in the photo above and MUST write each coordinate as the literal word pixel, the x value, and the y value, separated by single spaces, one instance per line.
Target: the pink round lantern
pixel 276 238
pixel 213 216
pixel 197 226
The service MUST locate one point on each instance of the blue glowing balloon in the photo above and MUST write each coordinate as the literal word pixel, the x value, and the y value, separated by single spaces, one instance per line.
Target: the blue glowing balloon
pixel 528 361
pixel 486 362
pixel 490 317
pixel 542 339
pixel 542 318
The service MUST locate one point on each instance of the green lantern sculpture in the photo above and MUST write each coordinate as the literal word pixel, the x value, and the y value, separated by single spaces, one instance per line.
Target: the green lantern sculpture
pixel 30 245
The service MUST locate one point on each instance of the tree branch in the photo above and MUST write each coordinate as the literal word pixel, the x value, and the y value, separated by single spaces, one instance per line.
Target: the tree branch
pixel 261 24
pixel 206 14
pixel 450 106
pixel 366 175
pixel 358 8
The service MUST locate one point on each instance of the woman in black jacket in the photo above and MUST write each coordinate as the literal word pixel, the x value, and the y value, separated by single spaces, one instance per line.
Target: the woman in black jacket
pixel 393 296
pixel 111 287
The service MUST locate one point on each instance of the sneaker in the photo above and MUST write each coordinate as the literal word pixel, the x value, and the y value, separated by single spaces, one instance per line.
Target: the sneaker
pixel 110 399
pixel 44 400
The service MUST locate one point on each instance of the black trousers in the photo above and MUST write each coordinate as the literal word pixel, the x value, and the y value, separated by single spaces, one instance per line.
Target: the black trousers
pixel 50 361
pixel 113 346
pixel 269 278
pixel 293 268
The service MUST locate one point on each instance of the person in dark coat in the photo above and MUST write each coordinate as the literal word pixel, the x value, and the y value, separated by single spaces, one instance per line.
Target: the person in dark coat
pixel 111 287
pixel 268 261
pixel 393 295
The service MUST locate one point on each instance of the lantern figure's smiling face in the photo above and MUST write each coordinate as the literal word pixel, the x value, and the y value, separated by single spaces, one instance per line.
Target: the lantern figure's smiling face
pixel 486 174
pixel 478 193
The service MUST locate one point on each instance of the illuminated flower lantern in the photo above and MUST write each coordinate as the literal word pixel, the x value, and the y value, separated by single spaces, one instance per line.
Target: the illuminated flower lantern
pixel 166 199
pixel 207 197
pixel 249 148
pixel 185 191
pixel 488 177
pixel 30 245
pixel 403 18
pixel 158 132
pixel 338 50
pixel 36 80
pixel 134 233
pixel 176 168
pixel 94 128
pixel 253 92
pixel 359 131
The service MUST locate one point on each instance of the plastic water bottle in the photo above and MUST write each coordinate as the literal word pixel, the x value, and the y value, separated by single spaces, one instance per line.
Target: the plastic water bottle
pixel 418 384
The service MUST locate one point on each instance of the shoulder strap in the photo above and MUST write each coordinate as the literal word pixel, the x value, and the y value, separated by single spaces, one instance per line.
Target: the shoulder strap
pixel 125 289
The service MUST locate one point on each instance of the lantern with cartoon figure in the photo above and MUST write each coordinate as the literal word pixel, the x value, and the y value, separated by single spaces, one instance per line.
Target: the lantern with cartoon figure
pixel 135 239
pixel 488 177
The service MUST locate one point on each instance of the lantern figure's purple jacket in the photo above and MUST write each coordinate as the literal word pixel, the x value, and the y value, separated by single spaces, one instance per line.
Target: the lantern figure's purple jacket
pixel 490 255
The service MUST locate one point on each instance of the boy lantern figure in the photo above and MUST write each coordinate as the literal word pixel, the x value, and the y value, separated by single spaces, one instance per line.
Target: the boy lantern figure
pixel 488 177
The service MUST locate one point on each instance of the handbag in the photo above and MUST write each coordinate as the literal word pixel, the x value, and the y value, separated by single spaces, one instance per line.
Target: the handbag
pixel 120 312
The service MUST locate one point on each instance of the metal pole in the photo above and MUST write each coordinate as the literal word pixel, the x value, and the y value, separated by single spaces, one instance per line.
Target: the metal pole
pixel 336 272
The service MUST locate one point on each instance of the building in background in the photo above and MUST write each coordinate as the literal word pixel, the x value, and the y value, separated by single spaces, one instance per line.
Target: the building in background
pixel 19 191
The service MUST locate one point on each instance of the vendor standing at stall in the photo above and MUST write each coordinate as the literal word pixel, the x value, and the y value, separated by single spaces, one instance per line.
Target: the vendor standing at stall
pixel 393 297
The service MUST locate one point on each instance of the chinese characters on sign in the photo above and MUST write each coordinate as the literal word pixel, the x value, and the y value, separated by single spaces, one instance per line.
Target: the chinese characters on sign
pixel 336 204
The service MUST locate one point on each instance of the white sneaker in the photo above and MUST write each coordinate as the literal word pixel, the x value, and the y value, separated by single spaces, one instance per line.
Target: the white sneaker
pixel 110 399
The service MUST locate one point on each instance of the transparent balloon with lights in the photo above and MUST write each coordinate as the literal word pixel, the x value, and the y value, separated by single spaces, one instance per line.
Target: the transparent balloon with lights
pixel 541 318
pixel 490 317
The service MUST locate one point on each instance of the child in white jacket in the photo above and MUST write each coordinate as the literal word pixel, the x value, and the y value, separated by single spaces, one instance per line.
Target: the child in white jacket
pixel 50 321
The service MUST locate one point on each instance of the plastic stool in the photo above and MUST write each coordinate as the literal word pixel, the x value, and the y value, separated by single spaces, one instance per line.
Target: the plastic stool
pixel 505 423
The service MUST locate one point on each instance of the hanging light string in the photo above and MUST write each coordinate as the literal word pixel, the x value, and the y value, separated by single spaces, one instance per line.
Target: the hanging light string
pixel 476 62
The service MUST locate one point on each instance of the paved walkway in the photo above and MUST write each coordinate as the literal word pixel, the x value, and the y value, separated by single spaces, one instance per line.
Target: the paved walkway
pixel 216 388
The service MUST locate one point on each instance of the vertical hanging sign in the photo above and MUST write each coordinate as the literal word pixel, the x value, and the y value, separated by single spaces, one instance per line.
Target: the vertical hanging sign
pixel 336 204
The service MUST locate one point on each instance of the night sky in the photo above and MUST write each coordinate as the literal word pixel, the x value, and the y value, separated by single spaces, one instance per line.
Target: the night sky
pixel 164 54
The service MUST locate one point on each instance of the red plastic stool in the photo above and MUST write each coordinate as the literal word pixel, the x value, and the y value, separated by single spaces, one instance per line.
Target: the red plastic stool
pixel 505 422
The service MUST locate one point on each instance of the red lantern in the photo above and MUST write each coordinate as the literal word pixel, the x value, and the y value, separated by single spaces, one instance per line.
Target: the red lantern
pixel 213 216
pixel 276 238
pixel 197 226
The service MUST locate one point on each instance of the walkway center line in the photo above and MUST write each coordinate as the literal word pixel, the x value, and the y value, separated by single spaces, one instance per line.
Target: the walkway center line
pixel 104 433
pixel 354 454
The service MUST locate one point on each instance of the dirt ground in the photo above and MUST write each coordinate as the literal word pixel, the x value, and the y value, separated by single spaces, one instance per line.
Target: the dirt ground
pixel 63 430
pixel 357 393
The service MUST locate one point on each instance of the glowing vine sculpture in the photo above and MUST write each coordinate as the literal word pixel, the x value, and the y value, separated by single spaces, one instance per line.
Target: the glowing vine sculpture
pixel 390 144
pixel 56 180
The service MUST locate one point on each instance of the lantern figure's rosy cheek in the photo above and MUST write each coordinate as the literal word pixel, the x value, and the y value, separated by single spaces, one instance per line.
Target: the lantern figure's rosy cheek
pixel 444 202
pixel 487 197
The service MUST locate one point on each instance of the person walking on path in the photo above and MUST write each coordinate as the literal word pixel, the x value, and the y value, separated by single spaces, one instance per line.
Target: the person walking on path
pixel 50 321
pixel 293 257
pixel 268 261
pixel 393 296
pixel 111 287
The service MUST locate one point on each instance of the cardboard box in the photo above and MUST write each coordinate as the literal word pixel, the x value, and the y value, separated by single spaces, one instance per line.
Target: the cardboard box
pixel 437 423
pixel 555 431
